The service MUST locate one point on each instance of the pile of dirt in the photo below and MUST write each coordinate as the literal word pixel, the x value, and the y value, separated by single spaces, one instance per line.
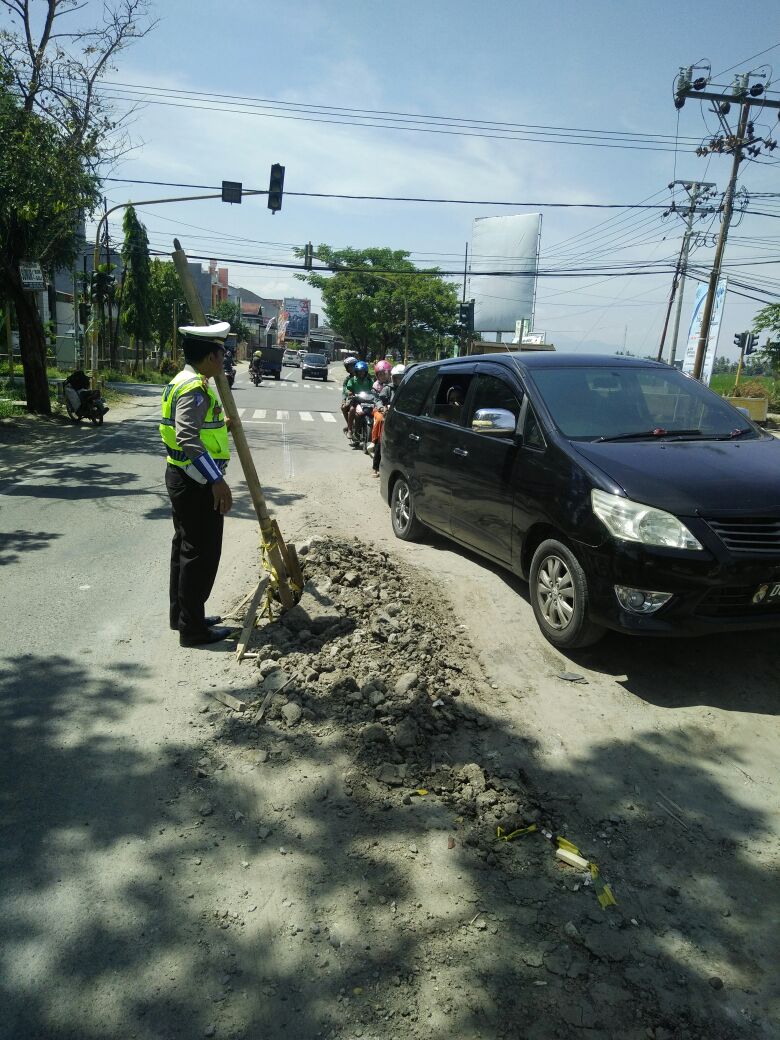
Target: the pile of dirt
pixel 372 662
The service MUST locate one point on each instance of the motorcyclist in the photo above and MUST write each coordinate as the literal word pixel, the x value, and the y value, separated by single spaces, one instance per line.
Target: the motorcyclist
pixel 359 382
pixel 382 373
pixel 349 365
pixel 384 400
pixel 255 361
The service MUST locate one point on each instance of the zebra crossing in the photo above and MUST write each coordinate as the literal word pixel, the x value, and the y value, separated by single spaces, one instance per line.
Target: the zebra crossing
pixel 259 415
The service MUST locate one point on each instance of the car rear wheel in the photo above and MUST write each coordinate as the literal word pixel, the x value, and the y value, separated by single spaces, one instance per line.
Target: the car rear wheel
pixel 559 597
pixel 406 526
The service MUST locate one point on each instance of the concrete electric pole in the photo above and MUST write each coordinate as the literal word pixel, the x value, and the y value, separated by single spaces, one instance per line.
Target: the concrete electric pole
pixel 736 144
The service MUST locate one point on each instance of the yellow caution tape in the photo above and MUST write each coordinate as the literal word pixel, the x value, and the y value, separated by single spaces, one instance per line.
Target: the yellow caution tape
pixel 562 843
pixel 502 835
pixel 603 891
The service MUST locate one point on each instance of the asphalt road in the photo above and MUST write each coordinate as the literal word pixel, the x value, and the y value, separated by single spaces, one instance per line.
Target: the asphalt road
pixel 97 702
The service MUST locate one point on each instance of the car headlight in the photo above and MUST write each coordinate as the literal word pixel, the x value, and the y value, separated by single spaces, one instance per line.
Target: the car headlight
pixel 634 522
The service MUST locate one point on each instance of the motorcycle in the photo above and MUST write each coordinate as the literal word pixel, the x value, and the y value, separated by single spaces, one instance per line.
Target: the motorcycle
pixel 364 403
pixel 255 375
pixel 230 373
pixel 81 402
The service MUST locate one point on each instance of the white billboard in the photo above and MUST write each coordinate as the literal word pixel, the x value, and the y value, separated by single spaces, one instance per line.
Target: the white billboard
pixel 504 261
pixel 694 330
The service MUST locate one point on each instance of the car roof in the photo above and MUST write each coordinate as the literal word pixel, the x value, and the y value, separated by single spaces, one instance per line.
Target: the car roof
pixel 530 359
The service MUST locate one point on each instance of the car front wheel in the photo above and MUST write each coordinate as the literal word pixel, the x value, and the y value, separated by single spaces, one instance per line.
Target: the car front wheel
pixel 559 597
pixel 406 526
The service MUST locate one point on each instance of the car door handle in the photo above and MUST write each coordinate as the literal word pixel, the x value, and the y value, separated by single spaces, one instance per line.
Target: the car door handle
pixel 414 436
pixel 460 451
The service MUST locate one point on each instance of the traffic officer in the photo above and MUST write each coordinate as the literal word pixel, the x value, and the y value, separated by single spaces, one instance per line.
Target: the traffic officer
pixel 195 433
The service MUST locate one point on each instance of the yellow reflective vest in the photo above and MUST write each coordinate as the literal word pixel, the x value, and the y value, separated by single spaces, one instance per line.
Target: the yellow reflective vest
pixel 213 432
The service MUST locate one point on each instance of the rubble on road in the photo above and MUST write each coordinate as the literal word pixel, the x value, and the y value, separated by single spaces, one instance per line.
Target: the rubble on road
pixel 372 663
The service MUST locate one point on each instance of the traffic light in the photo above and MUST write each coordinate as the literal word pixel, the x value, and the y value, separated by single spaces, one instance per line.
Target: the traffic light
pixel 751 343
pixel 85 311
pixel 740 340
pixel 307 256
pixel 466 315
pixel 275 188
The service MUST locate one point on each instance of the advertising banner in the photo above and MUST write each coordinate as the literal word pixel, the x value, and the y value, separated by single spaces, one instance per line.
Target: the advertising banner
pixel 694 330
pixel 296 318
pixel 503 265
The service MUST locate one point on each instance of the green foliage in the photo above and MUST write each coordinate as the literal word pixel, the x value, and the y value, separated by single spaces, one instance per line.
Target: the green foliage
pixel 369 309
pixel 164 290
pixel 768 318
pixel 45 186
pixel 136 313
pixel 230 310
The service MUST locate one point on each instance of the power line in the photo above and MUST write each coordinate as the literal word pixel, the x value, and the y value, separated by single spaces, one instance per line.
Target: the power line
pixel 406 198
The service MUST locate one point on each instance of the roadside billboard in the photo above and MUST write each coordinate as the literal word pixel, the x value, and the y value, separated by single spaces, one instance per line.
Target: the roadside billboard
pixel 694 330
pixel 503 264
pixel 296 318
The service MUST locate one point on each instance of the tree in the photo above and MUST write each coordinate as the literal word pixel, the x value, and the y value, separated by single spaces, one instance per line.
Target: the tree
pixel 768 318
pixel 371 303
pixel 230 310
pixel 164 291
pixel 136 313
pixel 44 188
pixel 56 130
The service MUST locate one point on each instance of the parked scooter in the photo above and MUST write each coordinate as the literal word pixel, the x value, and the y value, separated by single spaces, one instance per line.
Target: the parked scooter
pixel 364 403
pixel 81 402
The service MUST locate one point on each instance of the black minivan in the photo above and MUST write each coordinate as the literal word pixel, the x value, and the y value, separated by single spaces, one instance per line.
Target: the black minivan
pixel 628 495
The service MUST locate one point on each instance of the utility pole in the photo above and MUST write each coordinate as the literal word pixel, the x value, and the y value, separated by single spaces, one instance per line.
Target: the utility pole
pixel 406 332
pixel 175 340
pixel 696 190
pixel 735 144
pixel 10 341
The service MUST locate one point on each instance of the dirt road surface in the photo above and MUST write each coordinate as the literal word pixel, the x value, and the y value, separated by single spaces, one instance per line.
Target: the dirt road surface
pixel 171 869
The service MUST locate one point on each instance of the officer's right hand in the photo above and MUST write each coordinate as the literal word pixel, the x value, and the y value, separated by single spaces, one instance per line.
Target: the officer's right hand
pixel 223 499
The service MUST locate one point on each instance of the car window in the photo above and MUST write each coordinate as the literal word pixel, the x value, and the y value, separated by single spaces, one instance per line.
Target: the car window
pixel 413 391
pixel 532 435
pixel 494 392
pixel 601 401
pixel 447 398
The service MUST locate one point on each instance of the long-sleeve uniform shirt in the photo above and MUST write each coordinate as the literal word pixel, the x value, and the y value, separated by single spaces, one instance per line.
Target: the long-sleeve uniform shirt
pixel 191 409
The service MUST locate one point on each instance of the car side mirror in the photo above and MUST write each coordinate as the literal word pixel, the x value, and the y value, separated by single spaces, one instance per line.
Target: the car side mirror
pixel 494 422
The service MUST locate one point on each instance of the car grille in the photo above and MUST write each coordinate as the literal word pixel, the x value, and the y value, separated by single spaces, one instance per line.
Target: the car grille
pixel 749 534
pixel 735 601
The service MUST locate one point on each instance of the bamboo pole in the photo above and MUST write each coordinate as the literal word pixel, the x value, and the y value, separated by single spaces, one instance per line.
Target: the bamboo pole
pixel 239 438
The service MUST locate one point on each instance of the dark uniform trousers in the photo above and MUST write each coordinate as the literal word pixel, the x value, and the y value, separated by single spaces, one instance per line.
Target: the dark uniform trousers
pixel 195 551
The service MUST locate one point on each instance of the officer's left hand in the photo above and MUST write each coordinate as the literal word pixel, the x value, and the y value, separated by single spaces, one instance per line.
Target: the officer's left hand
pixel 228 423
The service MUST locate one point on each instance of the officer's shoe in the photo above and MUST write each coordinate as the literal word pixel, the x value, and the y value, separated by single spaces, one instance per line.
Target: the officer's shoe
pixel 209 635
pixel 209 622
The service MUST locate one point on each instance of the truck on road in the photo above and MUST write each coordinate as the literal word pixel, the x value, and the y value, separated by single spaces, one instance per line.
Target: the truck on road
pixel 271 362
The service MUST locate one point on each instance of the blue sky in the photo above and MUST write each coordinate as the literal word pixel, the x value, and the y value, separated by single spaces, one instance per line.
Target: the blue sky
pixel 596 65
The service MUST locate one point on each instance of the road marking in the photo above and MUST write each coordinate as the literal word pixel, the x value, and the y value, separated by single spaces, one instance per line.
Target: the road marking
pixel 282 416
pixel 258 413
pixel 327 417
pixel 306 416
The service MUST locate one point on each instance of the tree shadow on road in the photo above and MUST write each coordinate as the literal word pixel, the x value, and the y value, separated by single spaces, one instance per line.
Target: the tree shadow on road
pixel 127 910
pixel 14 543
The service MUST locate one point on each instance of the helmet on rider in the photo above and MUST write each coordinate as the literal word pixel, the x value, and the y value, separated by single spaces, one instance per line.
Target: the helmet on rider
pixel 361 368
pixel 349 363
pixel 382 366
pixel 397 373
pixel 257 355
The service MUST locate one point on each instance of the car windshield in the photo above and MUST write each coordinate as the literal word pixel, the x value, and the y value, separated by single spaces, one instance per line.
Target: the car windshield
pixel 315 359
pixel 632 402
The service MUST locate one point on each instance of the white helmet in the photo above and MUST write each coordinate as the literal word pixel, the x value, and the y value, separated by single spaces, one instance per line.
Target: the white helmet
pixel 349 361
pixel 398 370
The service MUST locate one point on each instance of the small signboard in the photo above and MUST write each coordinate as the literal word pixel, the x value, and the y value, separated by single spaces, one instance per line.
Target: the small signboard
pixel 32 276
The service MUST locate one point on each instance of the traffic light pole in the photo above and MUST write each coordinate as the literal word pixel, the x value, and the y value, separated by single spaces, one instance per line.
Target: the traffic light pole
pixel 103 222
